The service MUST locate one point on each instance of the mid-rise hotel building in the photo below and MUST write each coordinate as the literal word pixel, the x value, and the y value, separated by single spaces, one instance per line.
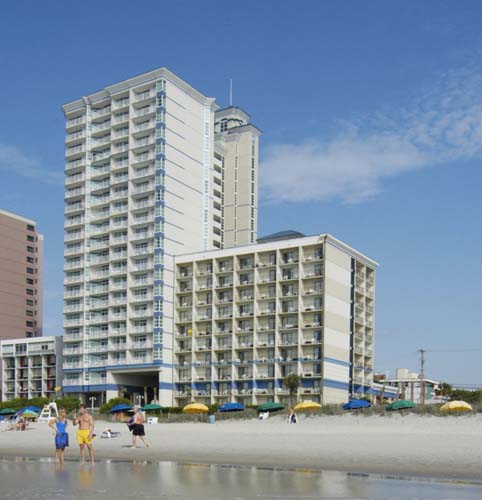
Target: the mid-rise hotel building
pixel 247 317
pixel 30 368
pixel 152 171
pixel 21 276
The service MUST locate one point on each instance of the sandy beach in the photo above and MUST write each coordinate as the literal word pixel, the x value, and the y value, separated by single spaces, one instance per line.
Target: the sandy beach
pixel 397 445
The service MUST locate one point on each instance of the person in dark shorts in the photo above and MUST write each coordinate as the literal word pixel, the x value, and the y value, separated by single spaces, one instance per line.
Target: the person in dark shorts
pixel 138 428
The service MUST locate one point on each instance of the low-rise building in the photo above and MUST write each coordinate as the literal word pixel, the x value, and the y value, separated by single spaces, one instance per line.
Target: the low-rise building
pixel 30 367
pixel 409 386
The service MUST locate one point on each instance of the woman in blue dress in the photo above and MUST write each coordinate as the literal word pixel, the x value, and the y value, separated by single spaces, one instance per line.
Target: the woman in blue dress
pixel 59 425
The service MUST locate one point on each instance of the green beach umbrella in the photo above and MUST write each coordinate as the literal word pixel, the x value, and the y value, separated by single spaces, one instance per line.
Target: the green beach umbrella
pixel 270 407
pixel 151 406
pixel 400 404
pixel 8 411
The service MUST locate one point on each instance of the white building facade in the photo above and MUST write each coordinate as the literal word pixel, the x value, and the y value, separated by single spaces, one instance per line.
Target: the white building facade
pixel 141 186
pixel 138 165
pixel 247 317
pixel 30 367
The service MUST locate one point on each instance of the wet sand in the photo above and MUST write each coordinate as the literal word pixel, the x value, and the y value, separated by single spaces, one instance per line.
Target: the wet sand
pixel 398 445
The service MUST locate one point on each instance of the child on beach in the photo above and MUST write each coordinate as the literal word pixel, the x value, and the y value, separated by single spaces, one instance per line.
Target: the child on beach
pixel 59 425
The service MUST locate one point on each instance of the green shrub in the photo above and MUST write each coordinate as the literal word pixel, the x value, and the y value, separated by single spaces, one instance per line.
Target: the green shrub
pixel 68 403
pixel 213 408
pixel 16 404
pixel 38 402
pixel 171 410
pixel 105 408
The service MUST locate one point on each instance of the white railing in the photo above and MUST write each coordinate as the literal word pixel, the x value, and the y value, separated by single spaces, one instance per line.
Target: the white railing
pixel 75 121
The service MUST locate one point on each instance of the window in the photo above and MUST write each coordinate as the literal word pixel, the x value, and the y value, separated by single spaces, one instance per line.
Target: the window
pixel 30 238
pixel 29 281
pixel 29 291
pixel 29 302
pixel 30 270
pixel 29 324
pixel 30 260
pixel 30 227
pixel 30 249
pixel 224 125
pixel 29 313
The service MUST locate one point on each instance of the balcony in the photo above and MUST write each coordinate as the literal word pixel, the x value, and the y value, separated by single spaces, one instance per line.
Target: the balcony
pixel 141 345
pixel 71 193
pixel 119 285
pixel 118 347
pixel 97 113
pixel 78 278
pixel 72 179
pixel 97 348
pixel 72 381
pixel 73 207
pixel 147 110
pixel 98 334
pixel 70 366
pixel 76 350
pixel 144 126
pixel 99 200
pixel 117 240
pixel 69 337
pixel 121 103
pixel 119 194
pixel 99 127
pixel 101 155
pixel 117 316
pixel 75 122
pixel 143 251
pixel 139 158
pixel 75 150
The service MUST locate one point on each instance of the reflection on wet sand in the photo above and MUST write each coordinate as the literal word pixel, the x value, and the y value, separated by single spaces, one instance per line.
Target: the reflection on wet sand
pixel 165 480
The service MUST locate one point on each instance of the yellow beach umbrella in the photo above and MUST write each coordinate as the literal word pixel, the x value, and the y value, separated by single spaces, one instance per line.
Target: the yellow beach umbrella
pixel 195 408
pixel 307 405
pixel 456 406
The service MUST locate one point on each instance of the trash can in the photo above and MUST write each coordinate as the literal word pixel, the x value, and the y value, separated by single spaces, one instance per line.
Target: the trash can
pixel 212 419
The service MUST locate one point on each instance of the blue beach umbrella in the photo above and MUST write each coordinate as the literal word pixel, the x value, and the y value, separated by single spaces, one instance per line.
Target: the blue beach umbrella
pixel 120 408
pixel 231 407
pixel 356 404
pixel 33 409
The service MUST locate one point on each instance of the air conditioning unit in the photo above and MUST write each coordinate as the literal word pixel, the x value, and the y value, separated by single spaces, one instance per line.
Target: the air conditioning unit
pixel 307 375
pixel 309 258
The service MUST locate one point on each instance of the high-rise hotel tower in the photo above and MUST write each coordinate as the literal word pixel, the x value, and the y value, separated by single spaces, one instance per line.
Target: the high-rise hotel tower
pixel 144 182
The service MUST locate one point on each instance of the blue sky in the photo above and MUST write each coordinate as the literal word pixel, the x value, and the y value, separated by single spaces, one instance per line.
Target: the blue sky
pixel 372 120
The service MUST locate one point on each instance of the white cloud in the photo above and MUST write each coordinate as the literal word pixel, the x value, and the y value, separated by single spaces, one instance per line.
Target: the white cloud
pixel 443 125
pixel 15 161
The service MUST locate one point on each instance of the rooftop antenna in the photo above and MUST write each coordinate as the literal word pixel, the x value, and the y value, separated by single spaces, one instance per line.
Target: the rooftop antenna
pixel 230 91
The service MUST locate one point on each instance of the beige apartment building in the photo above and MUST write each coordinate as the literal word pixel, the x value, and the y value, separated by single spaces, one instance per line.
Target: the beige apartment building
pixel 21 267
pixel 236 157
pixel 247 317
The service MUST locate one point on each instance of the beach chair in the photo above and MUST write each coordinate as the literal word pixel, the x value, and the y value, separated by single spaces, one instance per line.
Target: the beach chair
pixel 109 434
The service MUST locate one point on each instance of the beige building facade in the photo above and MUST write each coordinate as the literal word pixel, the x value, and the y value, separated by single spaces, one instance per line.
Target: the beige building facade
pixel 247 317
pixel 236 156
pixel 21 277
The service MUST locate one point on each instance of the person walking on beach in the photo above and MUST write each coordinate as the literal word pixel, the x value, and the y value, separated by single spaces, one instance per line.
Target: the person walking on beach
pixel 292 417
pixel 59 425
pixel 85 432
pixel 138 427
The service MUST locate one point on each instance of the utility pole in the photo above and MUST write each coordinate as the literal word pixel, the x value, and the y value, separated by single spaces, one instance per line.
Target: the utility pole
pixel 422 377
